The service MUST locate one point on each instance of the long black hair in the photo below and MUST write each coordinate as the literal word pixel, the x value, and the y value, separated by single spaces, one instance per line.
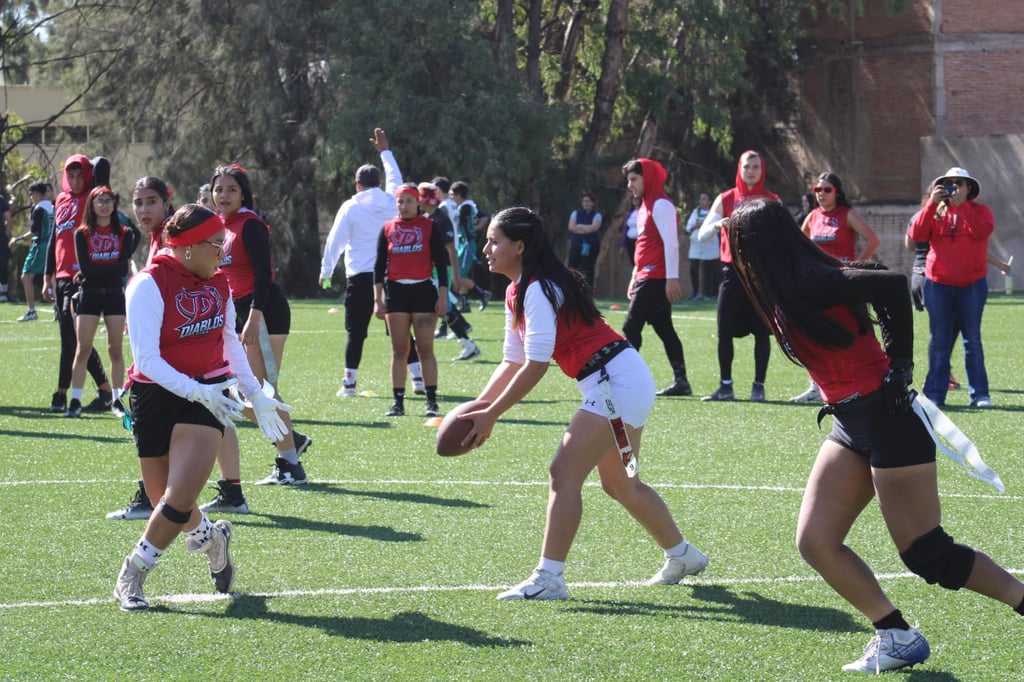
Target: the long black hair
pixel 540 263
pixel 777 263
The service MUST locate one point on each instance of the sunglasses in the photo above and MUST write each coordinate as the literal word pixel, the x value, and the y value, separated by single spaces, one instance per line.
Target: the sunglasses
pixel 824 190
pixel 958 183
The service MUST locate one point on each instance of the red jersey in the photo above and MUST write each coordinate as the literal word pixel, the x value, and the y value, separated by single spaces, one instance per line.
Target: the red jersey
pixel 842 372
pixel 958 253
pixel 832 233
pixel 237 263
pixel 576 341
pixel 409 255
pixel 192 332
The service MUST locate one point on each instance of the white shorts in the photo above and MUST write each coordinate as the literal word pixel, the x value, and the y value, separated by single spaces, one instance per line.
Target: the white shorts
pixel 632 387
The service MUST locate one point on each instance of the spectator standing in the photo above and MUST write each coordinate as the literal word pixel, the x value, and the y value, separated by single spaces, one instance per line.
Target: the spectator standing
pixel 957 229
pixel 585 237
pixel 704 263
pixel 35 262
pixel 654 282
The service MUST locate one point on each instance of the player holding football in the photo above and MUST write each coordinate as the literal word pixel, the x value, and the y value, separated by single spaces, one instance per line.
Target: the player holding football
pixel 549 314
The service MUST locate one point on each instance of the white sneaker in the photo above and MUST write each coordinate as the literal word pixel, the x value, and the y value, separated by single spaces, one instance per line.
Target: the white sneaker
pixel 811 395
pixel 469 352
pixel 346 391
pixel 128 589
pixel 222 570
pixel 891 650
pixel 692 562
pixel 540 585
pixel 418 387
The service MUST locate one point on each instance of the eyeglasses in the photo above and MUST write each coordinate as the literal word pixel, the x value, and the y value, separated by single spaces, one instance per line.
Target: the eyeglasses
pixel 823 190
pixel 958 183
pixel 217 245
pixel 103 202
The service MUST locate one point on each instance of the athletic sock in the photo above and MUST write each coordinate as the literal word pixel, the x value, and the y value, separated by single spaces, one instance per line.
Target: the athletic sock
pixel 727 382
pixel 200 535
pixel 350 377
pixel 415 371
pixel 289 454
pixel 677 551
pixel 148 552
pixel 551 566
pixel 431 394
pixel 77 393
pixel 399 394
pixel 894 620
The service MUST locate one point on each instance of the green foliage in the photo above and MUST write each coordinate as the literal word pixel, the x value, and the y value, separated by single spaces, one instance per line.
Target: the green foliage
pixel 387 565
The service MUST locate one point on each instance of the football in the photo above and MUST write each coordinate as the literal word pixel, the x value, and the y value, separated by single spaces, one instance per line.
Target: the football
pixel 452 430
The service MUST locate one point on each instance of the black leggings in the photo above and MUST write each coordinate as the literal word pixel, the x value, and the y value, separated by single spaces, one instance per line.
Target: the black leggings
pixel 358 313
pixel 69 339
pixel 651 306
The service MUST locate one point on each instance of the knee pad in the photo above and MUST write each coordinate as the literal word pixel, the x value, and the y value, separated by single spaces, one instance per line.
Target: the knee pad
pixel 175 515
pixel 936 558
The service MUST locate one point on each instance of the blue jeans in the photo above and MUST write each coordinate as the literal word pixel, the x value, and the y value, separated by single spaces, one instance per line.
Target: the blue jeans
pixel 948 307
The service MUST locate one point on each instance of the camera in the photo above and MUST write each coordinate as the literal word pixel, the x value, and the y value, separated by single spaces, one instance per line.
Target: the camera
pixel 950 189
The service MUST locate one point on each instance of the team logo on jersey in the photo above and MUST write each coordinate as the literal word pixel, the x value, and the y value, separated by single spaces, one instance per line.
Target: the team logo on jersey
pixel 67 211
pixel 202 309
pixel 406 239
pixel 104 248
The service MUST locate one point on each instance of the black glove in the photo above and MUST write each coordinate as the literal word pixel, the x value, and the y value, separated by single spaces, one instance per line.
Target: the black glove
pixel 894 386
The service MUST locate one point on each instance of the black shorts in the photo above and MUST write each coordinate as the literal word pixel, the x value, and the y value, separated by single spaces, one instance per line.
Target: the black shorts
pixel 98 301
pixel 420 297
pixel 277 313
pixel 887 440
pixel 155 412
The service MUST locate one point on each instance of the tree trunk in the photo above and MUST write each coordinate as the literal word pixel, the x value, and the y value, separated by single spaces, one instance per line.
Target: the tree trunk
pixel 609 82
pixel 505 37
pixel 533 82
pixel 573 38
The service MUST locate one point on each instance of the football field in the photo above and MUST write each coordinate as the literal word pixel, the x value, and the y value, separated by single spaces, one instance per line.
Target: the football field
pixel 386 565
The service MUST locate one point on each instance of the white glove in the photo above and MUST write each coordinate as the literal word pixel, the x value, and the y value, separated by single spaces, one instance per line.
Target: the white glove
pixel 273 427
pixel 221 404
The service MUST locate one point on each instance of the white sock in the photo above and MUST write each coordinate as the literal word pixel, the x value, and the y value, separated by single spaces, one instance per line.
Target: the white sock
pixel 290 455
pixel 551 566
pixel 727 382
pixel 350 377
pixel 415 371
pixel 467 344
pixel 77 393
pixel 148 552
pixel 677 551
pixel 200 535
pixel 116 392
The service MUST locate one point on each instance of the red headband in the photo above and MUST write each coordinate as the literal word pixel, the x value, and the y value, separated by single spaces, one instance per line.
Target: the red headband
pixel 199 233
pixel 408 190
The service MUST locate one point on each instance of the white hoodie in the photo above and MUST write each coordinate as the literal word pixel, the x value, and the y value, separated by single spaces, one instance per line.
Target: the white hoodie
pixel 359 222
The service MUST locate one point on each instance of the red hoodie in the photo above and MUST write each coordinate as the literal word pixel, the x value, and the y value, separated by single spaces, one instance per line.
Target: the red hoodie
pixel 68 212
pixel 740 194
pixel 650 247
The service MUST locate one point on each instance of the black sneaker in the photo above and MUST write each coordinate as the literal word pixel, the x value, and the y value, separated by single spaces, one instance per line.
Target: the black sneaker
pixel 724 392
pixel 229 499
pixel 74 409
pixel 395 410
pixel 432 409
pixel 139 508
pixel 59 403
pixel 117 407
pixel 285 473
pixel 678 387
pixel 485 298
pixel 302 442
pixel 101 403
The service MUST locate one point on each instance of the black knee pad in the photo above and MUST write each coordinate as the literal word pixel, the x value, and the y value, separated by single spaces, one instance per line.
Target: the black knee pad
pixel 173 514
pixel 936 558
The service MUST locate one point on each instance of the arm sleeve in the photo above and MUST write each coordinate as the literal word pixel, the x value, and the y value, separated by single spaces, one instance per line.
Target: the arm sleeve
pixel 392 175
pixel 337 239
pixel 667 221
pixel 439 254
pixel 257 244
pixel 708 228
pixel 38 215
pixel 51 255
pixel 541 323
pixel 513 350
pixel 234 353
pixel 380 268
pixel 145 308
pixel 921 224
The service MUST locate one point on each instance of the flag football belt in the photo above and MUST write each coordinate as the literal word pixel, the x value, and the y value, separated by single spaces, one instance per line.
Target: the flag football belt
pixel 963 451
pixel 604 388
pixel 601 358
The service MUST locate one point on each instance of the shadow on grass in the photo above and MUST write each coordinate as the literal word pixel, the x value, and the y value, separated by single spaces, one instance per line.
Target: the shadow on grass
pixel 408 626
pixel 395 497
pixel 723 604
pixel 278 521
